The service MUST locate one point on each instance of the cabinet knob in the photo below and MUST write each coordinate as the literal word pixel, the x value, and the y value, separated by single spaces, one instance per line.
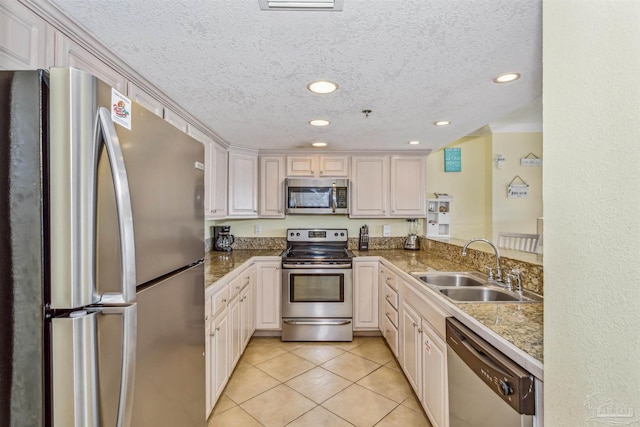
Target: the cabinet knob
pixel 206 317
pixel 224 300
pixel 212 334
pixel 217 328
pixel 419 330
pixel 415 324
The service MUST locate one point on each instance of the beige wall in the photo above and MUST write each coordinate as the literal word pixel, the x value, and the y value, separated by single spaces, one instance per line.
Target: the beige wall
pixel 518 215
pixel 470 188
pixel 591 99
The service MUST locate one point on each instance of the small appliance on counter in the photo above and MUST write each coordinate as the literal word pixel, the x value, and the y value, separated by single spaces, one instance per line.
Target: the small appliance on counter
pixel 412 243
pixel 363 243
pixel 222 239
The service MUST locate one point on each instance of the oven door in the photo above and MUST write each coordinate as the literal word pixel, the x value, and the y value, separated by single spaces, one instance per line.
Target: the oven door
pixel 317 292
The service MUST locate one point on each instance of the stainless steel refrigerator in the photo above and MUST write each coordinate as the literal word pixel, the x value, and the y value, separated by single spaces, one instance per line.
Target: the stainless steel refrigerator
pixel 101 258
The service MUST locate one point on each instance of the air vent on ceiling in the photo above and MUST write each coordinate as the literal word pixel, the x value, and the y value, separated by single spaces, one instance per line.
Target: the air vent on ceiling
pixel 321 5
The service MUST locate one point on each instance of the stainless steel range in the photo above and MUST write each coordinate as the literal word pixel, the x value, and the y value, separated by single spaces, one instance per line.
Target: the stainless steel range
pixel 317 286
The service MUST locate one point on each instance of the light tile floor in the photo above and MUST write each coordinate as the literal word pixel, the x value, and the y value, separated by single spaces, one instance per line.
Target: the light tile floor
pixel 316 384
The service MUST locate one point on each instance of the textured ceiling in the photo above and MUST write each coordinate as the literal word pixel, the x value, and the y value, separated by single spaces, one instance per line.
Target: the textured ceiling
pixel 243 72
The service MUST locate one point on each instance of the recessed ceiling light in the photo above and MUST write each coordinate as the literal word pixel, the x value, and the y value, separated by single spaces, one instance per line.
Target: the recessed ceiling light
pixel 322 86
pixel 414 142
pixel 319 122
pixel 442 123
pixel 319 144
pixel 506 77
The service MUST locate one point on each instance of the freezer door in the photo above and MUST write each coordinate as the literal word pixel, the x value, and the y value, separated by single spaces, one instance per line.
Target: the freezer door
pixel 93 362
pixel 170 373
pixel 80 132
pixel 166 181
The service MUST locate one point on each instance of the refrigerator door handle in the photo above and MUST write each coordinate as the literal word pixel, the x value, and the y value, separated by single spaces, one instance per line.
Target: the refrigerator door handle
pixel 127 374
pixel 106 128
pixel 75 367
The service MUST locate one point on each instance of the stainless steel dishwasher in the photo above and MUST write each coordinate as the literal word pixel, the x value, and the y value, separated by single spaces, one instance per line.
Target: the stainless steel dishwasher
pixel 486 388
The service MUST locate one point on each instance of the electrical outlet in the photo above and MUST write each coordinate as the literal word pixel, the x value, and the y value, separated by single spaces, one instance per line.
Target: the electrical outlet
pixel 258 229
pixel 386 230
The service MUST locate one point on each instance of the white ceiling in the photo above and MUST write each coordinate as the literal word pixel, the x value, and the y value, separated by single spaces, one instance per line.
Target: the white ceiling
pixel 243 72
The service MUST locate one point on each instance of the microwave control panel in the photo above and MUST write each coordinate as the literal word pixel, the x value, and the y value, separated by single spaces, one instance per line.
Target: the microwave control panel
pixel 341 197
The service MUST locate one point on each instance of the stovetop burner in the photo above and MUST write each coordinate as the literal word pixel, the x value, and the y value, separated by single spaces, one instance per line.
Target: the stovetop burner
pixel 317 245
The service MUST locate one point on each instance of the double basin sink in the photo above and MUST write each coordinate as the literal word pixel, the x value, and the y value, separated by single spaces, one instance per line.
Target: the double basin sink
pixel 471 287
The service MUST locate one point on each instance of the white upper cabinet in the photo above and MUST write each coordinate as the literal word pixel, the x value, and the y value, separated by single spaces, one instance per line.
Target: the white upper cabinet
pixel 388 186
pixel 369 186
pixel 243 184
pixel 408 181
pixel 138 95
pixel 217 190
pixel 24 42
pixel 70 54
pixel 271 187
pixel 175 120
pixel 318 166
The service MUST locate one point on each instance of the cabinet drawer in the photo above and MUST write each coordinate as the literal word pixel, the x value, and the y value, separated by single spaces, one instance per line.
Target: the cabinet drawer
pixel 391 313
pixel 391 335
pixel 391 281
pixel 219 300
pixel 391 296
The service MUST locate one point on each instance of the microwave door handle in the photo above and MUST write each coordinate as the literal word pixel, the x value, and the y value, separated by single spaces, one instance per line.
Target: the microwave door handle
pixel 334 198
pixel 106 128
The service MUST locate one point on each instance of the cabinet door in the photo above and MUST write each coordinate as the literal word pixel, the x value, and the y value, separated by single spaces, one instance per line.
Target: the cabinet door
pixel 434 377
pixel 176 120
pixel 337 166
pixel 217 188
pixel 209 368
pixel 272 187
pixel 23 39
pixel 365 295
pixel 408 181
pixel 302 166
pixel 268 296
pixel 235 330
pixel 243 185
pixel 147 101
pixel 369 187
pixel 70 54
pixel 220 355
pixel 410 346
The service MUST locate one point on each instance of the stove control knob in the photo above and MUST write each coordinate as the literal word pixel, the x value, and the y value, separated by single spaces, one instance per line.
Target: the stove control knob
pixel 505 388
pixel 298 234
pixel 335 234
pixel 291 234
pixel 342 234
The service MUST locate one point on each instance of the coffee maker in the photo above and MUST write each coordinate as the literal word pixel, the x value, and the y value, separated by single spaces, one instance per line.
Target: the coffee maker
pixel 222 240
pixel 412 242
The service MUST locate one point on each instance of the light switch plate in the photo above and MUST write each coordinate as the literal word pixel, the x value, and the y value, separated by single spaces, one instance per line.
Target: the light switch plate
pixel 258 229
pixel 386 230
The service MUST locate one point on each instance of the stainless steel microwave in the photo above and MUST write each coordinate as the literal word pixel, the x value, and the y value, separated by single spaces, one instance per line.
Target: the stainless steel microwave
pixel 317 196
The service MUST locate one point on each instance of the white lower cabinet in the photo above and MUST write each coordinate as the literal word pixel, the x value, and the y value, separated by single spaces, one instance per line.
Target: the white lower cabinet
pixel 230 317
pixel 365 295
pixel 217 368
pixel 434 376
pixel 268 295
pixel 410 334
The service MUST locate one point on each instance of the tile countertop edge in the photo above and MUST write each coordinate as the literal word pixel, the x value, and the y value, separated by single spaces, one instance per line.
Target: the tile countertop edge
pixel 230 264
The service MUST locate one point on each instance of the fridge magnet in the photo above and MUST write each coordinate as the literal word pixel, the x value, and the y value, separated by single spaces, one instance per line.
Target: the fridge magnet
pixel 120 109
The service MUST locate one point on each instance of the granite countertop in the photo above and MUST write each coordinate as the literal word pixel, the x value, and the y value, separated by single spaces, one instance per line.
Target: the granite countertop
pixel 520 324
pixel 218 264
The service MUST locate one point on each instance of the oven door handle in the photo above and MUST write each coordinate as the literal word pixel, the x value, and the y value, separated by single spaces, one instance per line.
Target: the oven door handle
pixel 316 266
pixel 318 323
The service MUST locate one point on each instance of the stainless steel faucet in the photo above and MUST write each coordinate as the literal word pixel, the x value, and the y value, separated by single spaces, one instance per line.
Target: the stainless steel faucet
pixel 497 251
